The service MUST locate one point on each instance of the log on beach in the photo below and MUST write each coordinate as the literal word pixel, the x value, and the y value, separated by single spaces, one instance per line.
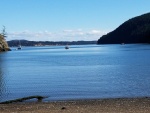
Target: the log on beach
pixel 39 98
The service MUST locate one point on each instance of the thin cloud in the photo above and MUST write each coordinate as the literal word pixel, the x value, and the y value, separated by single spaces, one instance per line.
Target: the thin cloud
pixel 96 32
pixel 28 35
pixel 64 35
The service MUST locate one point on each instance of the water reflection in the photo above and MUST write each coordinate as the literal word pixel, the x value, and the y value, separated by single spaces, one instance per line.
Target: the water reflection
pixel 2 83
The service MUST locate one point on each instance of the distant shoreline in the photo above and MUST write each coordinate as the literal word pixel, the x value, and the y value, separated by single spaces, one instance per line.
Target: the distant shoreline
pixel 15 43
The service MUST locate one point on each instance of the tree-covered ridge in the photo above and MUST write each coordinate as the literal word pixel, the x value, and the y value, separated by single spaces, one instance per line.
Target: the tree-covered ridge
pixel 14 43
pixel 3 44
pixel 135 30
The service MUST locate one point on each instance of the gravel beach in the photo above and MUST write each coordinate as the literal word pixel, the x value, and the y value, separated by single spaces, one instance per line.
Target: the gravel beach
pixel 118 105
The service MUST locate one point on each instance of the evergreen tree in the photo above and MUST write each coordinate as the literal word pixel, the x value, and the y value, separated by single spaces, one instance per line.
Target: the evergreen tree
pixel 4 34
pixel 3 44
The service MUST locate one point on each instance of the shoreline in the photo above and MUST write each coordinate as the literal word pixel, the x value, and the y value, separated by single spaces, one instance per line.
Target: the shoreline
pixel 110 105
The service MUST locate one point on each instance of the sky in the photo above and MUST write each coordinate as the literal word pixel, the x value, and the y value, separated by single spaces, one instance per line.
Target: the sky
pixel 66 20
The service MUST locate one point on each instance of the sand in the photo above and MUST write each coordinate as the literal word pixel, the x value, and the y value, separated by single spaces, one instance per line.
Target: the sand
pixel 118 105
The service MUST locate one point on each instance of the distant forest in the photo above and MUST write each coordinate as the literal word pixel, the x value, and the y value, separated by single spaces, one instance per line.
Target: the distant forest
pixel 14 43
pixel 135 30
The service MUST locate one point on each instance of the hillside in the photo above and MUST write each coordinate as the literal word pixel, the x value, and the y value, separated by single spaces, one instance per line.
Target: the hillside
pixel 135 30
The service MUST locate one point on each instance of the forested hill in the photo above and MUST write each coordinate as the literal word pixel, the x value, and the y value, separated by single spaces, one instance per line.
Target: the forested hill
pixel 135 30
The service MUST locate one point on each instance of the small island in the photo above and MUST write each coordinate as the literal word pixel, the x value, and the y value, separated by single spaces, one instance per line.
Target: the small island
pixel 135 30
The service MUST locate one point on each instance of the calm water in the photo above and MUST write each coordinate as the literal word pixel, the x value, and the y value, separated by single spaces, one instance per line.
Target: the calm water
pixel 82 72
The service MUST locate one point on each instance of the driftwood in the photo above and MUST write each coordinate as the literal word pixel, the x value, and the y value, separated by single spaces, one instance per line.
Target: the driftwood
pixel 39 98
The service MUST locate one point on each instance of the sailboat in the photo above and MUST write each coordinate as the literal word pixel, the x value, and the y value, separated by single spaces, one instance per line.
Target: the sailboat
pixel 66 47
pixel 19 46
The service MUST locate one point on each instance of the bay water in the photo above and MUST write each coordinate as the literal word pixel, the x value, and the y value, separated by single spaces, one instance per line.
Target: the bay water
pixel 80 72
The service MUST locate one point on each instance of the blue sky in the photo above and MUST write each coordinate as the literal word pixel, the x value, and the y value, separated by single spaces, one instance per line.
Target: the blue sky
pixel 66 20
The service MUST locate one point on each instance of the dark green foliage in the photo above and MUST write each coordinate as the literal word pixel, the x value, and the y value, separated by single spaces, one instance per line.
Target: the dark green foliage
pixel 135 30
